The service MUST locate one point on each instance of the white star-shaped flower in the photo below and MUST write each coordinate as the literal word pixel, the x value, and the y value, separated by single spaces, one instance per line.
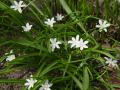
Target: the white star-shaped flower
pixel 78 43
pixel 18 6
pixel 111 63
pixel 30 82
pixel 54 43
pixel 59 17
pixel 103 25
pixel 46 86
pixel 10 57
pixel 27 27
pixel 74 42
pixel 50 22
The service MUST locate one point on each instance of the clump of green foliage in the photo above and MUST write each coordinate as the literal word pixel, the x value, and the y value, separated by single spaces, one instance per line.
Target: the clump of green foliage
pixel 66 68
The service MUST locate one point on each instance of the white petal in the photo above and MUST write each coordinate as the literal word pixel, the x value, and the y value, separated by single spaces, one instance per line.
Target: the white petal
pixel 107 62
pixel 20 10
pixel 81 40
pixel 106 58
pixel 85 46
pixel 58 42
pixel 52 19
pixel 77 37
pixel 16 3
pixel 100 22
pixel 20 3
pixel 26 84
pixel 11 51
pixel 105 29
pixel 55 39
pixel 12 6
pixel 70 42
pixel 27 24
pixel 85 42
pixel 81 48
pixel 107 25
pixel 115 61
pixel 98 26
pixel 72 45
pixel 57 46
pixel 51 40
pixel 46 22
pixel 51 25
pixel 104 23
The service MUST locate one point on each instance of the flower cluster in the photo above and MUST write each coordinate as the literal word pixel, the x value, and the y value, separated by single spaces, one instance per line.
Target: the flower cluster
pixel 75 43
pixel 46 86
pixel 51 21
pixel 103 24
pixel 31 82
pixel 11 56
pixel 111 63
pixel 78 43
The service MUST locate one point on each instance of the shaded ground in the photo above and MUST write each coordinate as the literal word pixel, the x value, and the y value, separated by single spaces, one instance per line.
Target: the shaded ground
pixel 15 75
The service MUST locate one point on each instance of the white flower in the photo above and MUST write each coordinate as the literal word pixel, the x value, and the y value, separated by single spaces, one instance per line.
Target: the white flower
pixel 27 27
pixel 50 22
pixel 54 43
pixel 10 57
pixel 111 63
pixel 78 43
pixel 18 6
pixel 74 42
pixel 46 86
pixel 30 82
pixel 59 17
pixel 103 25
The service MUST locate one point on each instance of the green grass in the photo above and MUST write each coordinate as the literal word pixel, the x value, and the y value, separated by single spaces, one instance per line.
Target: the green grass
pixel 67 69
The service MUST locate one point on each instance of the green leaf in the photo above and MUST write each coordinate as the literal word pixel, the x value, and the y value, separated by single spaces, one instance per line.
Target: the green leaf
pixel 46 69
pixel 79 84
pixel 104 53
pixel 65 6
pixel 85 79
pixel 29 43
pixel 16 17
